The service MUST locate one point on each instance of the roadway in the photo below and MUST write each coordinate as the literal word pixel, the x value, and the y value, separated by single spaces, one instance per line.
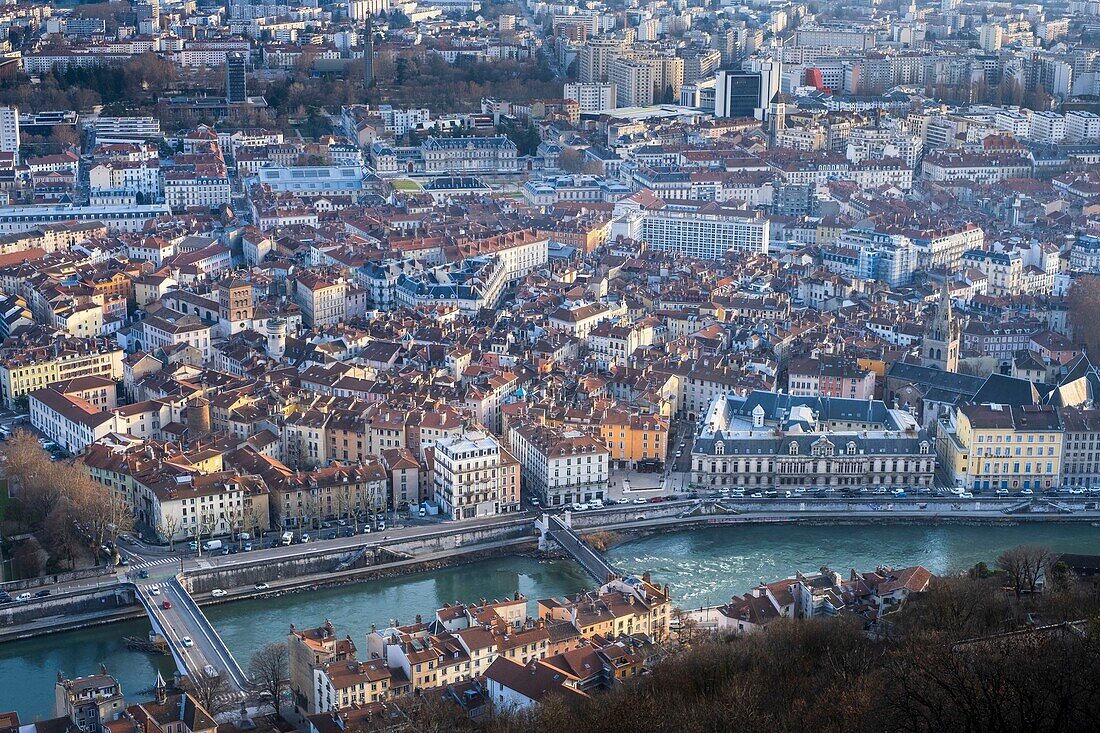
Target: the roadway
pixel 195 645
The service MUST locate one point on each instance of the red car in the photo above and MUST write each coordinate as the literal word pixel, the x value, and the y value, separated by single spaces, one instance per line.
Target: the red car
pixel 166 605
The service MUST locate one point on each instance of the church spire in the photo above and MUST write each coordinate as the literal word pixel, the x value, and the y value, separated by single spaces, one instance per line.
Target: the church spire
pixel 940 347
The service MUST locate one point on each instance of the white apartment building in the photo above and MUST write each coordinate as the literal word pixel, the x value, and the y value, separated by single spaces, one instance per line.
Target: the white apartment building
pixel 1048 127
pixel 560 466
pixel 400 121
pixel 128 176
pixel 1014 122
pixel 474 476
pixel 9 129
pixel 170 328
pixel 633 82
pixel 183 190
pixel 116 218
pixel 703 230
pixel 125 127
pixel 1082 125
pixel 591 97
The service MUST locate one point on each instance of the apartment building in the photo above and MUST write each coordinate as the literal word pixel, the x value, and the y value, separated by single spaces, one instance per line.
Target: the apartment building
pixel 475 476
pixel 633 439
pixel 591 97
pixel 829 378
pixel 323 299
pixel 26 366
pixel 704 230
pixel 310 651
pixel 993 446
pixel 561 466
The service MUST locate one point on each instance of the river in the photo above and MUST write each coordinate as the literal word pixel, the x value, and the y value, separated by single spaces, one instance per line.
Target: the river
pixel 703 566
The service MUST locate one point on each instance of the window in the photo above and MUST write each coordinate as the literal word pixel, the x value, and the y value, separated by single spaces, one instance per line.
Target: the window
pixel 793 450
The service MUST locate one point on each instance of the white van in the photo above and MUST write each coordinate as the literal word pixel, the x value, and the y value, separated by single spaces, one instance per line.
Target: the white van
pixel 288 537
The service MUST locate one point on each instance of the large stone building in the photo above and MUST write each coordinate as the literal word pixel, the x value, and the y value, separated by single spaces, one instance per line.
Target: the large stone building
pixel 469 155
pixel 769 441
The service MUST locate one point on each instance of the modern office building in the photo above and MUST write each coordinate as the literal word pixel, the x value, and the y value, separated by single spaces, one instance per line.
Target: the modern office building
pixel 236 77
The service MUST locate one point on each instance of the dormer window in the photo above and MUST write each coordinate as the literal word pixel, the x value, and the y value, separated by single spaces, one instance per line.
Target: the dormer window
pixel 720 448
pixel 793 449
pixel 924 447
pixel 852 448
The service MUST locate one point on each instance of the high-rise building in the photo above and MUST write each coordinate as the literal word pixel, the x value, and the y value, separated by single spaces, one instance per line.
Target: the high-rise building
pixel 737 94
pixel 368 53
pixel 749 92
pixel 236 77
pixel 9 130
pixel 595 57
pixel 591 97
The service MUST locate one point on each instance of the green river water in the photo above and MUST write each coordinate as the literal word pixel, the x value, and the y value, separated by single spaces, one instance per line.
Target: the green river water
pixel 703 566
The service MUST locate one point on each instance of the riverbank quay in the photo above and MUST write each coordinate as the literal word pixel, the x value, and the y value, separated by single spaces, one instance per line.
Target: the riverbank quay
pixel 245 576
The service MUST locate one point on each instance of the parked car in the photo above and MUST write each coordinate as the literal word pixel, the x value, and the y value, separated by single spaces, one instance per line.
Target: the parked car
pixel 640 501
pixel 42 594
pixel 23 597
pixel 219 593
pixel 262 586
pixel 186 641
pixel 166 605
pixel 209 671
pixel 305 537
pixel 381 525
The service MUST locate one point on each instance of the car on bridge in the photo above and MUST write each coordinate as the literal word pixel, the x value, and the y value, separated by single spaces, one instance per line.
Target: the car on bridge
pixel 262 586
pixel 166 605
pixel 219 593
pixel 186 641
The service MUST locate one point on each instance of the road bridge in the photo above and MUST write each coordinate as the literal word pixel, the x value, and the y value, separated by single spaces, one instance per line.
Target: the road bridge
pixel 195 645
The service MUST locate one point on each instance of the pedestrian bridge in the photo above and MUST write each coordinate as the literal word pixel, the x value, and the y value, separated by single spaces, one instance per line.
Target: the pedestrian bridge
pixel 558 529
pixel 195 645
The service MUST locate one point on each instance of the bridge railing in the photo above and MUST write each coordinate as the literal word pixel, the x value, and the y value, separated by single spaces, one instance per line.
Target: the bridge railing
pixel 233 668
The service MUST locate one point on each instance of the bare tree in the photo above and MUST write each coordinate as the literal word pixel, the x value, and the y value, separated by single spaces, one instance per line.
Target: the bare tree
pixel 103 511
pixel 205 524
pixel 213 693
pixel 269 669
pixel 168 525
pixel 1024 566
pixel 59 534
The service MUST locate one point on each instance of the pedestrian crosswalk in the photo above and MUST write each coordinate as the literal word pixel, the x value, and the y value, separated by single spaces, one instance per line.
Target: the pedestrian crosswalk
pixel 152 563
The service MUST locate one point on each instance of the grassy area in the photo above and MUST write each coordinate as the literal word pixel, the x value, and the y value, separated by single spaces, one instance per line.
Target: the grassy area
pixel 407 184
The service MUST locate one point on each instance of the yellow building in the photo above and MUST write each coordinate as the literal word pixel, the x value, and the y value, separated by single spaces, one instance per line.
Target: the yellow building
pixel 1000 447
pixel 26 368
pixel 631 437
